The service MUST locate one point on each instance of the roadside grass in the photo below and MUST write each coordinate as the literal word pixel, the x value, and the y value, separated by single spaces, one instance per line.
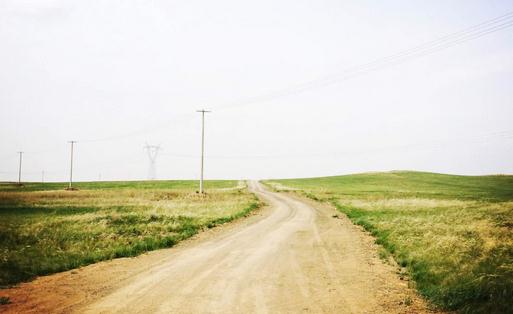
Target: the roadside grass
pixel 454 234
pixel 43 231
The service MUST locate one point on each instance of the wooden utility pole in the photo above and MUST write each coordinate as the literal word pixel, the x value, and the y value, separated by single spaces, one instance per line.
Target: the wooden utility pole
pixel 70 186
pixel 202 146
pixel 19 168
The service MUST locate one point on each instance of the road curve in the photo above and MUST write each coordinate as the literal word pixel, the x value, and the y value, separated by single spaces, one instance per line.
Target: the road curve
pixel 293 256
pixel 296 259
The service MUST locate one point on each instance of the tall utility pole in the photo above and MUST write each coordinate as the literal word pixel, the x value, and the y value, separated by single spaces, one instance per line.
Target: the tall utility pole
pixel 202 145
pixel 43 176
pixel 70 186
pixel 19 168
pixel 153 151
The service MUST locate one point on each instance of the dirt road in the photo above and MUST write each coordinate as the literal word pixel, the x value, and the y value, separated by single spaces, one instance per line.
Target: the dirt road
pixel 293 257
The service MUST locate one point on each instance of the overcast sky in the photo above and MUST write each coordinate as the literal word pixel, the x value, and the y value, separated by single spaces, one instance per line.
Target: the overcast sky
pixel 114 75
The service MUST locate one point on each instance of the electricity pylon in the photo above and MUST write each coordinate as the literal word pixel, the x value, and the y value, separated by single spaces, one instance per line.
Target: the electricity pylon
pixel 153 151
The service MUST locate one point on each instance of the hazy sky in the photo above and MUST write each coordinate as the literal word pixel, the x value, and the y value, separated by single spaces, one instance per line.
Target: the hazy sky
pixel 116 74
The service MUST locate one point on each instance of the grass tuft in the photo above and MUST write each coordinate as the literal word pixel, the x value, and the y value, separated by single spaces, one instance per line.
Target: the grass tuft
pixel 4 300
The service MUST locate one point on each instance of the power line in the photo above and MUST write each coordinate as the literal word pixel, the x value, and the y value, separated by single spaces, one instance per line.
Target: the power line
pixel 178 119
pixel 482 138
pixel 430 47
pixel 440 40
pixel 467 34
pixel 470 33
pixel 474 139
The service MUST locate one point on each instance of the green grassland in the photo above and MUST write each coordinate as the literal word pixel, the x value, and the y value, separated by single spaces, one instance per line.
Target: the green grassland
pixel 108 185
pixel 45 229
pixel 453 234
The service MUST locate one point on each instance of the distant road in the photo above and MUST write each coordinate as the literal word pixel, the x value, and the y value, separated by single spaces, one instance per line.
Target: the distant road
pixel 294 256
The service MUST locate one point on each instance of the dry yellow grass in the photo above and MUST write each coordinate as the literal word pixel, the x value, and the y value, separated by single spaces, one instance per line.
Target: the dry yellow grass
pixel 44 231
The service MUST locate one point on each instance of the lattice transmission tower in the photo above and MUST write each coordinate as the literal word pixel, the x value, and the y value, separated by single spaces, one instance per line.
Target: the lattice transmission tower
pixel 153 151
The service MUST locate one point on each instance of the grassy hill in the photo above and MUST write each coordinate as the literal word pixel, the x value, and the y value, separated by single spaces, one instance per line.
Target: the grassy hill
pixel 453 234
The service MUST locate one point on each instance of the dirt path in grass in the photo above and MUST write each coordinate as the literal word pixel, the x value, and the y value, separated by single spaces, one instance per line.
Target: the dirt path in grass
pixel 291 257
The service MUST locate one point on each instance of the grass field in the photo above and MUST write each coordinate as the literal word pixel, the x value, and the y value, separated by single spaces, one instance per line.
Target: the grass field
pixel 45 229
pixel 453 234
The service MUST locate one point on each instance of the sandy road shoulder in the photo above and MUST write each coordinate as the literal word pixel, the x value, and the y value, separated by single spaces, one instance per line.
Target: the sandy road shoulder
pixel 393 292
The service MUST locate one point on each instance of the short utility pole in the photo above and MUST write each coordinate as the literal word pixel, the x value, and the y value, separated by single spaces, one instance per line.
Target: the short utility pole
pixel 202 146
pixel 19 168
pixel 70 186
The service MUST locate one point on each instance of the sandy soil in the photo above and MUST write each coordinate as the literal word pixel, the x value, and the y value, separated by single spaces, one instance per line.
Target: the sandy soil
pixel 293 256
